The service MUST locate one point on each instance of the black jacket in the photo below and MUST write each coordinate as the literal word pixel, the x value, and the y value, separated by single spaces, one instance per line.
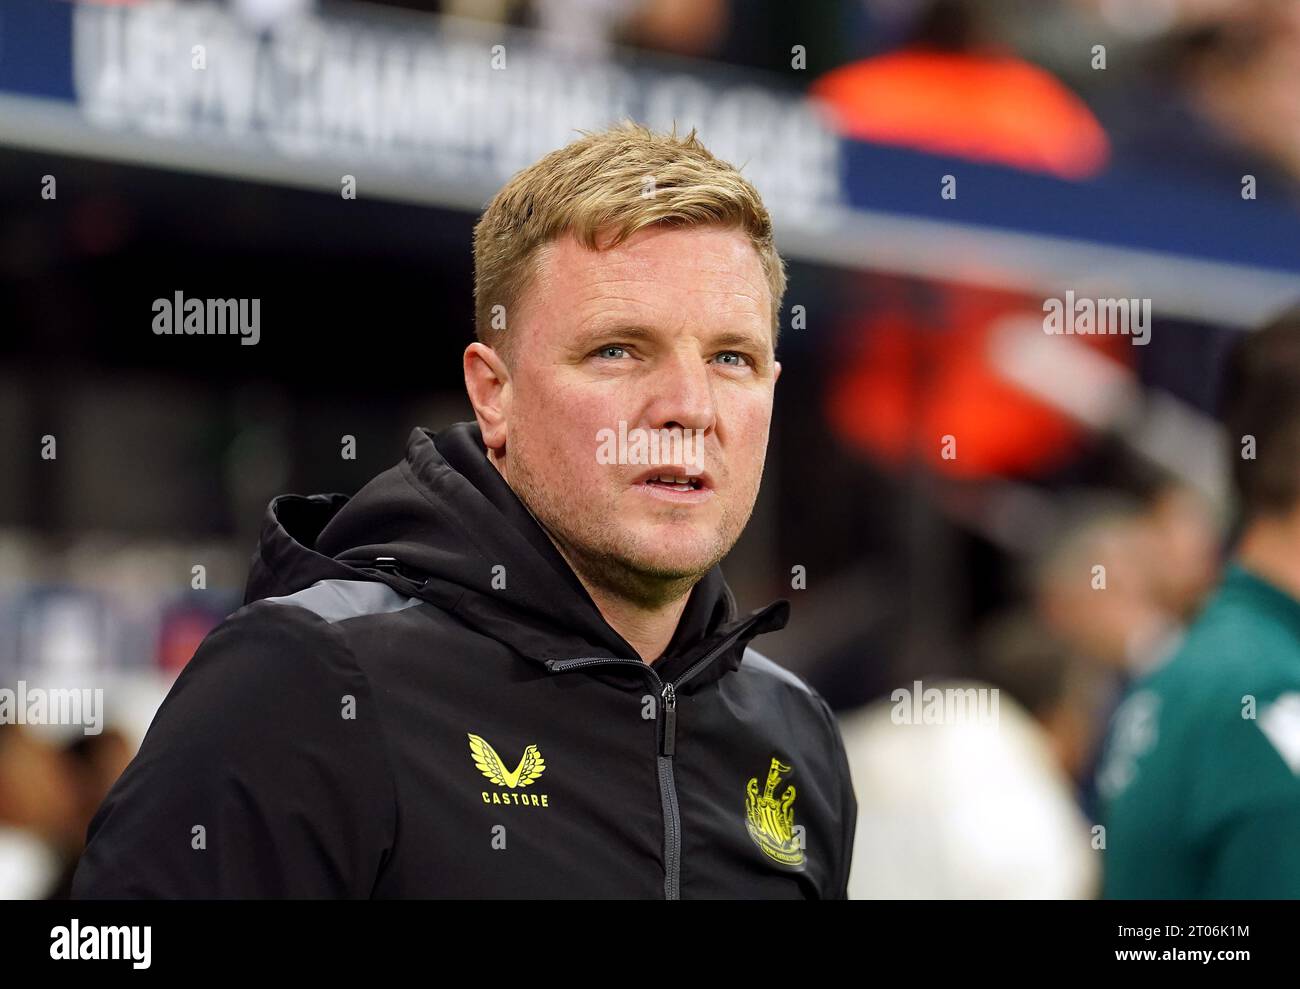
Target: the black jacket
pixel 419 699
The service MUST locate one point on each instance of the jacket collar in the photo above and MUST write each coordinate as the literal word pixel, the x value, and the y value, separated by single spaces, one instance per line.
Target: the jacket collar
pixel 453 528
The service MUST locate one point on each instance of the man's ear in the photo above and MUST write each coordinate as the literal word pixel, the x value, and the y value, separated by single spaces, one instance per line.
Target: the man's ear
pixel 776 371
pixel 487 381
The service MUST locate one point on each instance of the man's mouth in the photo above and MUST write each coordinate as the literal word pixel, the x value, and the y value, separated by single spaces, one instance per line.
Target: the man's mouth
pixel 675 482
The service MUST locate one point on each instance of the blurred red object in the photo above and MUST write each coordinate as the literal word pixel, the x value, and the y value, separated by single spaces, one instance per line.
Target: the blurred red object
pixel 983 107
pixel 182 629
pixel 919 373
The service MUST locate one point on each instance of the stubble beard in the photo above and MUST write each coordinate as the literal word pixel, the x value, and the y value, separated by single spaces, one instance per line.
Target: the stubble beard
pixel 601 552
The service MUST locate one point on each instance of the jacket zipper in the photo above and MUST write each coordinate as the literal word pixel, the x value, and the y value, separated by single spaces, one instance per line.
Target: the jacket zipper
pixel 393 573
pixel 666 748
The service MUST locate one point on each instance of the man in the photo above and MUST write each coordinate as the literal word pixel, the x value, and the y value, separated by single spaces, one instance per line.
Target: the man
pixel 1201 775
pixel 509 667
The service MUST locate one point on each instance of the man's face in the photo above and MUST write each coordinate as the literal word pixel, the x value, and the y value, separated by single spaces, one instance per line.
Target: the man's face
pixel 669 330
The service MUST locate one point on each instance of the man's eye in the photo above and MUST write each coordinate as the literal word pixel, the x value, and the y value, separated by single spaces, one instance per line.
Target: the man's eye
pixel 617 349
pixel 741 359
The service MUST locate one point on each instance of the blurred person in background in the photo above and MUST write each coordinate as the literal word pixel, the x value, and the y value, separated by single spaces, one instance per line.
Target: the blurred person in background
pixel 1064 692
pixel 753 33
pixel 39 819
pixel 1118 588
pixel 592 27
pixel 964 808
pixel 1126 574
pixel 94 763
pixel 1200 778
pixel 48 794
pixel 956 88
pixel 1184 535
pixel 1237 68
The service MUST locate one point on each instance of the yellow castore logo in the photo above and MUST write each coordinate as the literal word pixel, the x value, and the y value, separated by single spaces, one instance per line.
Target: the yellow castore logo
pixel 530 767
pixel 771 821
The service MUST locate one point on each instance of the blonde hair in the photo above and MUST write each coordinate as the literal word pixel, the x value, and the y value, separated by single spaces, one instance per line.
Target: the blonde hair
pixel 603 188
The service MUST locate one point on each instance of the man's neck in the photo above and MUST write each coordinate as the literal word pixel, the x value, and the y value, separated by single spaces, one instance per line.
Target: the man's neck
pixel 646 627
pixel 1270 548
pixel 647 630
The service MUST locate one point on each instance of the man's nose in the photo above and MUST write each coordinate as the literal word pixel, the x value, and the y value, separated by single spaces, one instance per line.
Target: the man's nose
pixel 683 394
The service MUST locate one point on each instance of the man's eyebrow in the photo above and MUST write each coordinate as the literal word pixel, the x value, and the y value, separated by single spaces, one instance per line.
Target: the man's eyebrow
pixel 731 338
pixel 622 331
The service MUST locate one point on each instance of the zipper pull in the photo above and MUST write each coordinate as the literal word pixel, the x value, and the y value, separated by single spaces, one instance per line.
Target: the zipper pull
pixel 670 718
pixel 391 566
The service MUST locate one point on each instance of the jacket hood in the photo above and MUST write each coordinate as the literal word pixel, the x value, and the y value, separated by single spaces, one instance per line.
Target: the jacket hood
pixel 443 525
